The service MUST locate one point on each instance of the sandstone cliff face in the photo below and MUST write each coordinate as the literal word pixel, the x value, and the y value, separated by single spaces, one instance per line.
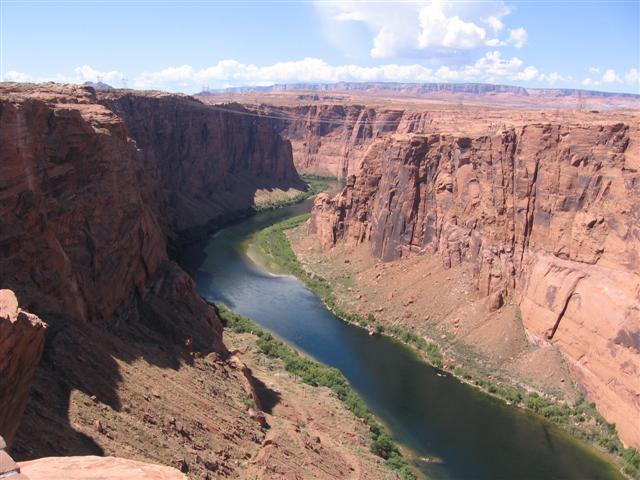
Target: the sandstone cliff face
pixel 548 215
pixel 208 162
pixel 332 139
pixel 21 344
pixel 77 237
pixel 85 210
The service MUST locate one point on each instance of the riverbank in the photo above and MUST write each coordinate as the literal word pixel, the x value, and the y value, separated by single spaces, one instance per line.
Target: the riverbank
pixel 277 198
pixel 316 375
pixel 579 418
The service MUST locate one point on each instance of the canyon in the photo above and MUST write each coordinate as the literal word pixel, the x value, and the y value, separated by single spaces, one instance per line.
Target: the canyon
pixel 479 215
pixel 97 189
pixel 545 215
pixel 534 194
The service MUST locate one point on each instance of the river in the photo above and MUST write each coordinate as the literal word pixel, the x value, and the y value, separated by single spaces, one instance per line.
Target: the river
pixel 473 435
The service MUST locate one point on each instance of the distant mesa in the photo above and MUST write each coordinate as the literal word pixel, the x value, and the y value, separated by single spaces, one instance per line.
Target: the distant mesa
pixel 98 85
pixel 422 89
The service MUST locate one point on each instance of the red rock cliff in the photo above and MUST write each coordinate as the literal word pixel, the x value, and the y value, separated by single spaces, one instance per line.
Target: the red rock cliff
pixel 548 215
pixel 85 209
pixel 21 344
pixel 331 139
pixel 208 161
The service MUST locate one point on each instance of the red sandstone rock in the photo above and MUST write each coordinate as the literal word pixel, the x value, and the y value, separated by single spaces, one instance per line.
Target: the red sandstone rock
pixel 330 139
pixel 547 214
pixel 208 161
pixel 96 468
pixel 90 189
pixel 21 344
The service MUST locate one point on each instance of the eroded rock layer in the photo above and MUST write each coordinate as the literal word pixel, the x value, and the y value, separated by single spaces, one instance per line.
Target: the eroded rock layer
pixel 331 139
pixel 208 162
pixel 547 214
pixel 86 210
pixel 332 126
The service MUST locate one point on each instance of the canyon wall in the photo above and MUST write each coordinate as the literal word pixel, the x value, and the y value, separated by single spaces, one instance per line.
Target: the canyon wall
pixel 208 162
pixel 331 139
pixel 86 209
pixel 547 214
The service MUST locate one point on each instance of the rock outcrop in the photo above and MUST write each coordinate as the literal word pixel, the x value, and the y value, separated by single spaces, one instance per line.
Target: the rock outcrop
pixel 96 468
pixel 8 468
pixel 91 188
pixel 21 344
pixel 548 215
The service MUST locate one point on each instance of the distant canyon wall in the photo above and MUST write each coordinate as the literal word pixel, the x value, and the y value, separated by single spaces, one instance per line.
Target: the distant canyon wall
pixel 207 162
pixel 548 215
pixel 332 139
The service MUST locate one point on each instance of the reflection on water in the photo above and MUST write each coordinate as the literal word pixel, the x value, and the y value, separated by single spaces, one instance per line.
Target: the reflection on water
pixel 454 430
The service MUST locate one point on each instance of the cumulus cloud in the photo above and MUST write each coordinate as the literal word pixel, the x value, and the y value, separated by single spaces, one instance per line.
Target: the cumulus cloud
pixel 492 67
pixel 426 28
pixel 81 74
pixel 14 76
pixel 632 76
pixel 610 76
pixel 518 37
pixel 495 23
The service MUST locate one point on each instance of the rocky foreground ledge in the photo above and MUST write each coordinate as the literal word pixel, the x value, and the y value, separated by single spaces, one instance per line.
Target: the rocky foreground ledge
pixel 83 468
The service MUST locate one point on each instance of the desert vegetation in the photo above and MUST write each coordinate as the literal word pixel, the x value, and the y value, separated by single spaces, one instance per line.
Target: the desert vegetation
pixel 582 420
pixel 318 375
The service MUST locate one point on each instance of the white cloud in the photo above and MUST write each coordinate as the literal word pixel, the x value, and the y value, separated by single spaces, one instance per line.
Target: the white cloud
pixel 89 74
pixel 438 30
pixel 495 23
pixel 81 74
pixel 13 76
pixel 518 37
pixel 610 76
pixel 431 28
pixel 632 76
pixel 177 76
pixel 492 67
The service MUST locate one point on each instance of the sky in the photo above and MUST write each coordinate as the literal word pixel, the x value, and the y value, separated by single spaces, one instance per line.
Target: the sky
pixel 186 45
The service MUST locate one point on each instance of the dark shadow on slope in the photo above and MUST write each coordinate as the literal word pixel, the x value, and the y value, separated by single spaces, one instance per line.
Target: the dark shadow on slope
pixel 268 398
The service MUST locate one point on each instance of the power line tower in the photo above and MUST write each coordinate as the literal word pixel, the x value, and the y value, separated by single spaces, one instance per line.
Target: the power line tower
pixel 124 81
pixel 580 101
pixel 99 78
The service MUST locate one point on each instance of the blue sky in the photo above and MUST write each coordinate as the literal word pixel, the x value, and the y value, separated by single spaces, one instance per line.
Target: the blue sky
pixel 181 46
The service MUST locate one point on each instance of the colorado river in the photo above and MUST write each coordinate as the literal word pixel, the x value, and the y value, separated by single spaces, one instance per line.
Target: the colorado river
pixel 472 435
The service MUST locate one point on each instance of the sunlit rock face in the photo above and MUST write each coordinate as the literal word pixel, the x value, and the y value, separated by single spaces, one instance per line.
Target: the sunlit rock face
pixel 547 214
pixel 90 467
